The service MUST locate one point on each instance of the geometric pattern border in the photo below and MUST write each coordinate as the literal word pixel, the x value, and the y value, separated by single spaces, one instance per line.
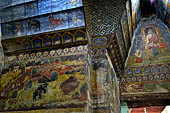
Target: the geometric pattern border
pixel 145 78
pixel 53 53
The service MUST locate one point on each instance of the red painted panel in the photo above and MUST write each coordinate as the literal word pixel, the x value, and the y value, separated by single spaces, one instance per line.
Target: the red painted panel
pixel 153 109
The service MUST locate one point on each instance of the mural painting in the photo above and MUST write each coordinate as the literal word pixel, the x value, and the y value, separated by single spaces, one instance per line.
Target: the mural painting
pixel 57 110
pixel 168 14
pixel 161 7
pixel 114 88
pixel 37 16
pixel 39 41
pixel 32 8
pixel 115 57
pixel 121 43
pixel 6 12
pixel 58 5
pixel 44 79
pixel 135 12
pixel 125 30
pixel 100 42
pixel 148 64
pixel 17 12
pixel 41 24
pixel 1 53
pixel 100 83
pixel 129 16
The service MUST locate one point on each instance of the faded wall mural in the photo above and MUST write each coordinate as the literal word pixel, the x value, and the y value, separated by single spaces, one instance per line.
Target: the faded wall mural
pixel 125 30
pixel 57 110
pixel 1 53
pixel 114 88
pixel 104 88
pixel 121 43
pixel 135 12
pixel 21 9
pixel 44 23
pixel 22 17
pixel 129 16
pixel 99 82
pixel 168 14
pixel 161 7
pixel 148 64
pixel 47 79
pixel 45 40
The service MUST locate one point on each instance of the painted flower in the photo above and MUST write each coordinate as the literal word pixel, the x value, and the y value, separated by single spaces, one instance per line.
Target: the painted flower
pixel 32 55
pixel 20 57
pixel 46 53
pixel 52 53
pixel 26 56
pixel 66 50
pixel 128 79
pixel 80 48
pixel 156 77
pixel 59 51
pixel 38 55
pixel 145 78
pixel 162 76
pixel 123 80
pixel 151 77
pixel 139 79
pixel 168 76
pixel 133 79
pixel 72 49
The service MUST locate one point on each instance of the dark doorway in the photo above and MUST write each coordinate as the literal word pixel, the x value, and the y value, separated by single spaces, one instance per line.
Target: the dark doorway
pixel 147 8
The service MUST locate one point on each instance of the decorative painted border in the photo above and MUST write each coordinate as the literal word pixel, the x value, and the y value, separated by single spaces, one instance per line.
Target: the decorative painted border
pixel 145 78
pixel 160 68
pixel 45 40
pixel 53 53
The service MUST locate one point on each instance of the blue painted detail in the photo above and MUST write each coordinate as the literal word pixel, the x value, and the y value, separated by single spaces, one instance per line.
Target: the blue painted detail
pixel 129 72
pixel 5 15
pixel 138 71
pixel 18 12
pixel 31 9
pixel 44 6
pixel 155 69
pixel 27 45
pixel 79 37
pixel 67 38
pixel 47 42
pixel 100 41
pixel 165 69
pixel 37 43
pixel 57 40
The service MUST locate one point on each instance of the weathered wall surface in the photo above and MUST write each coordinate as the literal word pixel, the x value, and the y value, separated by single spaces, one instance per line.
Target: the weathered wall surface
pixel 1 53
pixel 46 79
pixel 104 87
pixel 148 64
pixel 29 17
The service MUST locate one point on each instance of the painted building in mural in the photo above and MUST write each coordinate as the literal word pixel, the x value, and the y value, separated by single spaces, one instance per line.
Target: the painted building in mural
pixel 84 56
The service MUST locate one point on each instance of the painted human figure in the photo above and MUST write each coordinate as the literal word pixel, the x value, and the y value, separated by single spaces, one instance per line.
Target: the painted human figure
pixel 138 54
pixel 152 40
